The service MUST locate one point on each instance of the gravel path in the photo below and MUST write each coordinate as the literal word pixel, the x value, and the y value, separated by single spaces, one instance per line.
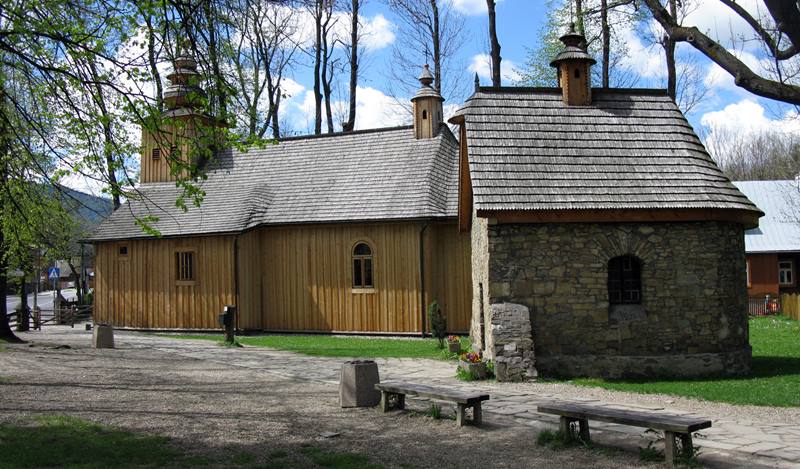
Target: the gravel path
pixel 212 400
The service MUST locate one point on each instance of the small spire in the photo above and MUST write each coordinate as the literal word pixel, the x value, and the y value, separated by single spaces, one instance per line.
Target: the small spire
pixel 572 27
pixel 426 78
pixel 477 82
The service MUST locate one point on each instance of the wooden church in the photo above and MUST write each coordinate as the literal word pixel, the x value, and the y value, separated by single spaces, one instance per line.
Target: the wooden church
pixel 348 232
pixel 597 212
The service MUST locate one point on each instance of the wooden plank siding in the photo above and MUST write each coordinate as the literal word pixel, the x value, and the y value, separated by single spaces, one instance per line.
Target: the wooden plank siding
pixel 763 274
pixel 308 280
pixel 292 278
pixel 140 290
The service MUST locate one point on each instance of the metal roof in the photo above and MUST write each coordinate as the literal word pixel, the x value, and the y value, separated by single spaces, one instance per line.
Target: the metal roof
pixel 383 174
pixel 779 228
pixel 629 149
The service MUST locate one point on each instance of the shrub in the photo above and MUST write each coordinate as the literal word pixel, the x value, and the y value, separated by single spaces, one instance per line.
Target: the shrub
pixel 438 322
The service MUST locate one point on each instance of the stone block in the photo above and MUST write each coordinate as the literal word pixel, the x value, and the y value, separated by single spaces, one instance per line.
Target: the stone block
pixel 103 336
pixel 357 384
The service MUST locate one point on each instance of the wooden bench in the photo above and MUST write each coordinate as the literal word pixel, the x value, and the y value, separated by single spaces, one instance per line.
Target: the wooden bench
pixel 393 395
pixel 671 425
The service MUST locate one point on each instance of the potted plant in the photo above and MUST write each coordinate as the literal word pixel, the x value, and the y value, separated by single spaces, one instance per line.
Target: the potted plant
pixel 473 363
pixel 454 344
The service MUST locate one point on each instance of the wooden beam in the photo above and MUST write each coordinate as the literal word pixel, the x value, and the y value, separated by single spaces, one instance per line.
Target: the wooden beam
pixel 745 217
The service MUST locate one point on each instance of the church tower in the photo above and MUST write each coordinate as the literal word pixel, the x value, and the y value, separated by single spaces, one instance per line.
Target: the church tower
pixel 427 103
pixel 184 137
pixel 574 69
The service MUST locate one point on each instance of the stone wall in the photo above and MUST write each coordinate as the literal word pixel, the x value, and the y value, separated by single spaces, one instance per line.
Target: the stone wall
pixel 693 316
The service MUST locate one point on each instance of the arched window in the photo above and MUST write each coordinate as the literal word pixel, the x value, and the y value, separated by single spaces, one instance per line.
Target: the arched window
pixel 362 266
pixel 577 73
pixel 424 114
pixel 624 280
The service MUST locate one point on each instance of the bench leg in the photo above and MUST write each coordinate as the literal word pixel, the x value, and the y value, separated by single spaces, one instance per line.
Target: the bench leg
pixel 564 427
pixel 669 448
pixel 584 431
pixel 686 444
pixel 385 404
pixel 477 415
pixel 460 415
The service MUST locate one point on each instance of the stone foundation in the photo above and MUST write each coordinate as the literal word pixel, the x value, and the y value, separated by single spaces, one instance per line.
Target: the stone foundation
pixel 735 363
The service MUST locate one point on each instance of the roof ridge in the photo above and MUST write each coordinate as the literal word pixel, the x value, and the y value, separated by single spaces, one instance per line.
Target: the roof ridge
pixel 340 134
pixel 546 89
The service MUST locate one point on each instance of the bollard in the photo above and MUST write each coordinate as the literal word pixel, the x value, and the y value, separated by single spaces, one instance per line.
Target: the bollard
pixel 357 384
pixel 103 336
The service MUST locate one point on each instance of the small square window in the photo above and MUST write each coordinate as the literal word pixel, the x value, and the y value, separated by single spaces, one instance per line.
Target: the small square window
pixel 123 250
pixel 156 154
pixel 184 263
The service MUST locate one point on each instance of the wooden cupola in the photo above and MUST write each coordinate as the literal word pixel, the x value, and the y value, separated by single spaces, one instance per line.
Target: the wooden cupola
pixel 574 69
pixel 427 104
pixel 184 137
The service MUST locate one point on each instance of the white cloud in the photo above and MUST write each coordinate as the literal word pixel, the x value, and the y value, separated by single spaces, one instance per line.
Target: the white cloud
pixel 471 7
pixel 646 61
pixel 736 122
pixel 482 65
pixel 378 32
pixel 720 23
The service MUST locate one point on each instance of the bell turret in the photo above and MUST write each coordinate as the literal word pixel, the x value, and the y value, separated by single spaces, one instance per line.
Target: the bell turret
pixel 184 90
pixel 427 103
pixel 574 69
pixel 184 137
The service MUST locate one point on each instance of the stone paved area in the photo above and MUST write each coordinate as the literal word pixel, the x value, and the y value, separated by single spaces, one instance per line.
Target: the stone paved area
pixel 776 445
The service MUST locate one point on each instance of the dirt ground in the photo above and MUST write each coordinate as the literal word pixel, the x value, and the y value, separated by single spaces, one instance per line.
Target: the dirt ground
pixel 209 409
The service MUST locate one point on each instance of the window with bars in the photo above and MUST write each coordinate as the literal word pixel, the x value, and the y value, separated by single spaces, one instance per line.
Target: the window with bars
pixel 156 154
pixel 362 266
pixel 185 268
pixel 624 280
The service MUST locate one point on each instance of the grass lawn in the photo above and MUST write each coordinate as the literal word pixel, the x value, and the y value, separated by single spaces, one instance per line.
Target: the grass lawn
pixel 336 346
pixel 776 371
pixel 63 441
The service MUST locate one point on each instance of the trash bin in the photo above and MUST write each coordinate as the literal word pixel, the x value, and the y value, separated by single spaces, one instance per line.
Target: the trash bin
pixel 103 336
pixel 357 384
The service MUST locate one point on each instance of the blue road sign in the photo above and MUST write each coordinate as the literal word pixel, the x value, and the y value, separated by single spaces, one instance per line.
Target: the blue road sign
pixel 53 273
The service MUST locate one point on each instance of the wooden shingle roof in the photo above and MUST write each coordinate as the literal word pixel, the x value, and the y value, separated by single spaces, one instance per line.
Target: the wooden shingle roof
pixel 376 175
pixel 630 149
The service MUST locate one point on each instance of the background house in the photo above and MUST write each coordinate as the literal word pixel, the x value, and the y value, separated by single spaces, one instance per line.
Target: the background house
pixel 773 249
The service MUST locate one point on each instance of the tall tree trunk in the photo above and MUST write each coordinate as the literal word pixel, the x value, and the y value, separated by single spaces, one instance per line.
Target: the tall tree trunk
pixel 276 129
pixel 579 17
pixel 606 41
pixel 351 116
pixel 108 137
pixel 437 54
pixel 669 50
pixel 153 61
pixel 327 68
pixel 5 153
pixel 317 64
pixel 495 44
pixel 213 57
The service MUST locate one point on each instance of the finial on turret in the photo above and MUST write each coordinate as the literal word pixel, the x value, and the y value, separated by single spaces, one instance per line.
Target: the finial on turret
pixel 477 82
pixel 426 78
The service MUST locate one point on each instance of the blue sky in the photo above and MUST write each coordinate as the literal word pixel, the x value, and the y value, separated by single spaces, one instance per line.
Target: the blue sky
pixel 519 23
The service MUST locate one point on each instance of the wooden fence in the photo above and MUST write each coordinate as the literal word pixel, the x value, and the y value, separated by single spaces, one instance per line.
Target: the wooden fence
pixel 791 305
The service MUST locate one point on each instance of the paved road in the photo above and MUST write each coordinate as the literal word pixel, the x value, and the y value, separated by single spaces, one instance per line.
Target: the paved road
pixel 45 299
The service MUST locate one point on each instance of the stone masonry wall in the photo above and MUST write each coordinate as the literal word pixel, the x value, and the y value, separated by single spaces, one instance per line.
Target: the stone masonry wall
pixel 693 316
